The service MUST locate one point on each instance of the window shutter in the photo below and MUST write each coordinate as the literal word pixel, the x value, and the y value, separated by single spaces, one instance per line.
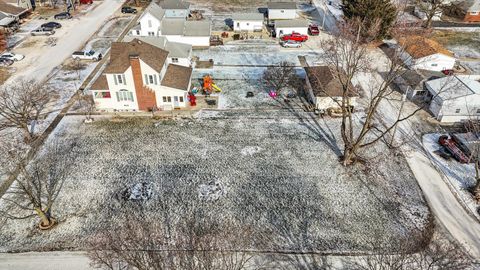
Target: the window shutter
pixel 131 96
pixel 118 96
pixel 146 79
pixel 123 79
pixel 155 79
pixel 115 79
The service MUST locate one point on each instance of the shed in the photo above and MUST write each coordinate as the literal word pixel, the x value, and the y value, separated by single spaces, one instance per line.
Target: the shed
pixel 248 22
pixel 285 27
pixel 282 11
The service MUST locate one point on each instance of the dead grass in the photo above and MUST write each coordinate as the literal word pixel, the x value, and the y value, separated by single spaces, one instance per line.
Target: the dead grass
pixel 453 38
pixel 4 74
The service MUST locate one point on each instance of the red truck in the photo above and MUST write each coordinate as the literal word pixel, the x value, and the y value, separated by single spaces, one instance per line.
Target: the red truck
pixel 313 30
pixel 295 37
pixel 452 147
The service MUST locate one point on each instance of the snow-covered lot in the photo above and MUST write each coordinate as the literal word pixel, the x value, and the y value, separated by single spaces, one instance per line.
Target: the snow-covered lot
pixel 273 172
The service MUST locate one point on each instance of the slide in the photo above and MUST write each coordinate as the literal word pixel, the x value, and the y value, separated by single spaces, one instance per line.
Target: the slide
pixel 216 88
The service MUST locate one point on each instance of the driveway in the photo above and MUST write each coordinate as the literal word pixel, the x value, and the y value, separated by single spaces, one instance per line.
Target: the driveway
pixel 41 59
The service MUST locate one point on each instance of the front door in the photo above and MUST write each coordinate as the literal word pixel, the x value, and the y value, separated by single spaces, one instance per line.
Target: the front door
pixel 175 102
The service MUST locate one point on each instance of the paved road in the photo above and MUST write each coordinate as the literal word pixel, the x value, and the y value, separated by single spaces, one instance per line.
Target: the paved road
pixel 40 59
pixel 45 260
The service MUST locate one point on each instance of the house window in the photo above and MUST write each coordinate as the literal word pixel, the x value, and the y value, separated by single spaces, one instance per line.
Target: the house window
pixel 138 32
pixel 102 95
pixel 167 99
pixel 457 111
pixel 174 60
pixel 478 111
pixel 124 95
pixel 150 79
pixel 119 79
pixel 149 23
pixel 248 24
pixel 434 65
pixel 181 99
pixel 282 11
pixel 151 34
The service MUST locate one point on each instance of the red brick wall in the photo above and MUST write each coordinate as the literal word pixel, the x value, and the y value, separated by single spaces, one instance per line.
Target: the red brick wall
pixel 145 96
pixel 472 18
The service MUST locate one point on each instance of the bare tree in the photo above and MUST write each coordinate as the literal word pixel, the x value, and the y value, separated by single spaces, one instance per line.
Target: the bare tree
pixel 22 105
pixel 431 8
pixel 280 76
pixel 38 184
pixel 473 126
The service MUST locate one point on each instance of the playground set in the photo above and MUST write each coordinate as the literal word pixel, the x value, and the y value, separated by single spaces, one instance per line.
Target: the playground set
pixel 208 88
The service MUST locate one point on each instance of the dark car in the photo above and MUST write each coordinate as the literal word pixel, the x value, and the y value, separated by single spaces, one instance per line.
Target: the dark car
pixel 51 25
pixel 62 16
pixel 129 10
pixel 5 62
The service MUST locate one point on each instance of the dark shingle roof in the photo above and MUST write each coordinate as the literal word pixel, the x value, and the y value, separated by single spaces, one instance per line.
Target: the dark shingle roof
pixel 11 9
pixel 177 77
pixel 100 84
pixel 324 83
pixel 121 51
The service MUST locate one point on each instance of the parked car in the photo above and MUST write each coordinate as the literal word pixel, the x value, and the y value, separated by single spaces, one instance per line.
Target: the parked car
pixel 12 56
pixel 295 37
pixel 62 16
pixel 87 55
pixel 52 25
pixel 4 62
pixel 313 30
pixel 42 31
pixel 129 10
pixel 291 44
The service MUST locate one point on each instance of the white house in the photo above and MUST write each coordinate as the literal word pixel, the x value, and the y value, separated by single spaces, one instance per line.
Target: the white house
pixel 150 21
pixel 324 90
pixel 423 53
pixel 175 8
pixel 282 11
pixel 248 22
pixel 139 78
pixel 285 27
pixel 455 98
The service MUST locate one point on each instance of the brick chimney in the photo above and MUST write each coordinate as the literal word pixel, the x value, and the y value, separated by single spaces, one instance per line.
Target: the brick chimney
pixel 145 97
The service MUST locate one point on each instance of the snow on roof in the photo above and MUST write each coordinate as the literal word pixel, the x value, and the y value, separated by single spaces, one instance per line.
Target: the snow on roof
pixel 175 49
pixel 248 17
pixel 291 23
pixel 173 26
pixel 155 10
pixel 455 86
pixel 197 28
pixel 282 5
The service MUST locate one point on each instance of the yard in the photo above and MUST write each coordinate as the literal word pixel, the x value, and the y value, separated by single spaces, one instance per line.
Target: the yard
pixel 465 46
pixel 273 173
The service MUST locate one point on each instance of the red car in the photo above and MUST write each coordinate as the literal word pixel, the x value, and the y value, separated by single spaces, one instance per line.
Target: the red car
pixel 313 30
pixel 295 37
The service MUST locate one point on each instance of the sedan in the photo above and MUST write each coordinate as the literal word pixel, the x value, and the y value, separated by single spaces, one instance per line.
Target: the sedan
pixel 52 25
pixel 128 10
pixel 42 32
pixel 291 44
pixel 4 62
pixel 63 15
pixel 12 56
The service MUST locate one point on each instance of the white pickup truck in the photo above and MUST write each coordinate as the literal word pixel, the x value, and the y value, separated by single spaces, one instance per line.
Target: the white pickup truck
pixel 87 55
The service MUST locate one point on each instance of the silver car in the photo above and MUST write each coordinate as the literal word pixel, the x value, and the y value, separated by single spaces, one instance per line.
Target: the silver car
pixel 43 31
pixel 291 44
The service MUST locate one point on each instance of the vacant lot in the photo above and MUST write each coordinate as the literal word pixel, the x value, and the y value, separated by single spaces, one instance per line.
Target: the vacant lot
pixel 465 46
pixel 275 173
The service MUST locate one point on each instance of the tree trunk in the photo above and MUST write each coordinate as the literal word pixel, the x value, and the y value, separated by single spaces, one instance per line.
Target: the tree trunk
pixel 348 156
pixel 44 217
pixel 476 190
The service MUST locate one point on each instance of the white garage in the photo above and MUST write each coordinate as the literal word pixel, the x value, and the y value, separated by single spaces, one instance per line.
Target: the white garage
pixel 286 27
pixel 248 22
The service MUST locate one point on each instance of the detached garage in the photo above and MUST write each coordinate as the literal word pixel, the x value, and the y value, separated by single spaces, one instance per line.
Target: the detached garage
pixel 286 27
pixel 248 22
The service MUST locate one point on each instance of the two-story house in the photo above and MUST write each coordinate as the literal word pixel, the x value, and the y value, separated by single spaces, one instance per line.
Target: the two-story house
pixel 175 8
pixel 139 77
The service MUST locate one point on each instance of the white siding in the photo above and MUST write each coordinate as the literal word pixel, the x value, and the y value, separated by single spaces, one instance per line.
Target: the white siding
pixel 171 101
pixel 194 41
pixel 436 62
pixel 280 31
pixel 282 14
pixel 149 24
pixel 179 61
pixel 129 85
pixel 247 25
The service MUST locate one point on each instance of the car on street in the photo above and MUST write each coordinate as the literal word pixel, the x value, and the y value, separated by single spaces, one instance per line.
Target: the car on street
pixel 295 37
pixel 291 44
pixel 87 55
pixel 52 25
pixel 42 31
pixel 129 10
pixel 4 62
pixel 12 56
pixel 313 30
pixel 62 16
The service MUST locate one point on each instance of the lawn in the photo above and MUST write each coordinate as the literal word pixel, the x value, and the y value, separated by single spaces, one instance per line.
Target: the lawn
pixel 275 173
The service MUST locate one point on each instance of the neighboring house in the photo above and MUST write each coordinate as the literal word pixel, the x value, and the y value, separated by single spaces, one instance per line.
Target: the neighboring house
pixel 154 23
pixel 139 78
pixel 412 82
pixel 285 27
pixel 281 11
pixel 26 4
pixel 472 10
pixel 13 11
pixel 423 53
pixel 324 90
pixel 455 98
pixel 175 8
pixel 178 53
pixel 248 22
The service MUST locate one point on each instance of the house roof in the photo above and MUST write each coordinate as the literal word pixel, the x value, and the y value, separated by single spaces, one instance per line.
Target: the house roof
pixel 175 49
pixel 248 17
pixel 291 23
pixel 173 26
pixel 474 7
pixel 282 5
pixel 177 77
pixel 324 83
pixel 11 9
pixel 155 10
pixel 100 83
pixel 197 28
pixel 413 79
pixel 455 86
pixel 418 47
pixel 121 51
pixel 174 4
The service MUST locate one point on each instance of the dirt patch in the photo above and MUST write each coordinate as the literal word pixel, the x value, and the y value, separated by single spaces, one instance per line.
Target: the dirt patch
pixel 230 5
pixel 454 38
pixel 4 74
pixel 32 42
pixel 73 65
